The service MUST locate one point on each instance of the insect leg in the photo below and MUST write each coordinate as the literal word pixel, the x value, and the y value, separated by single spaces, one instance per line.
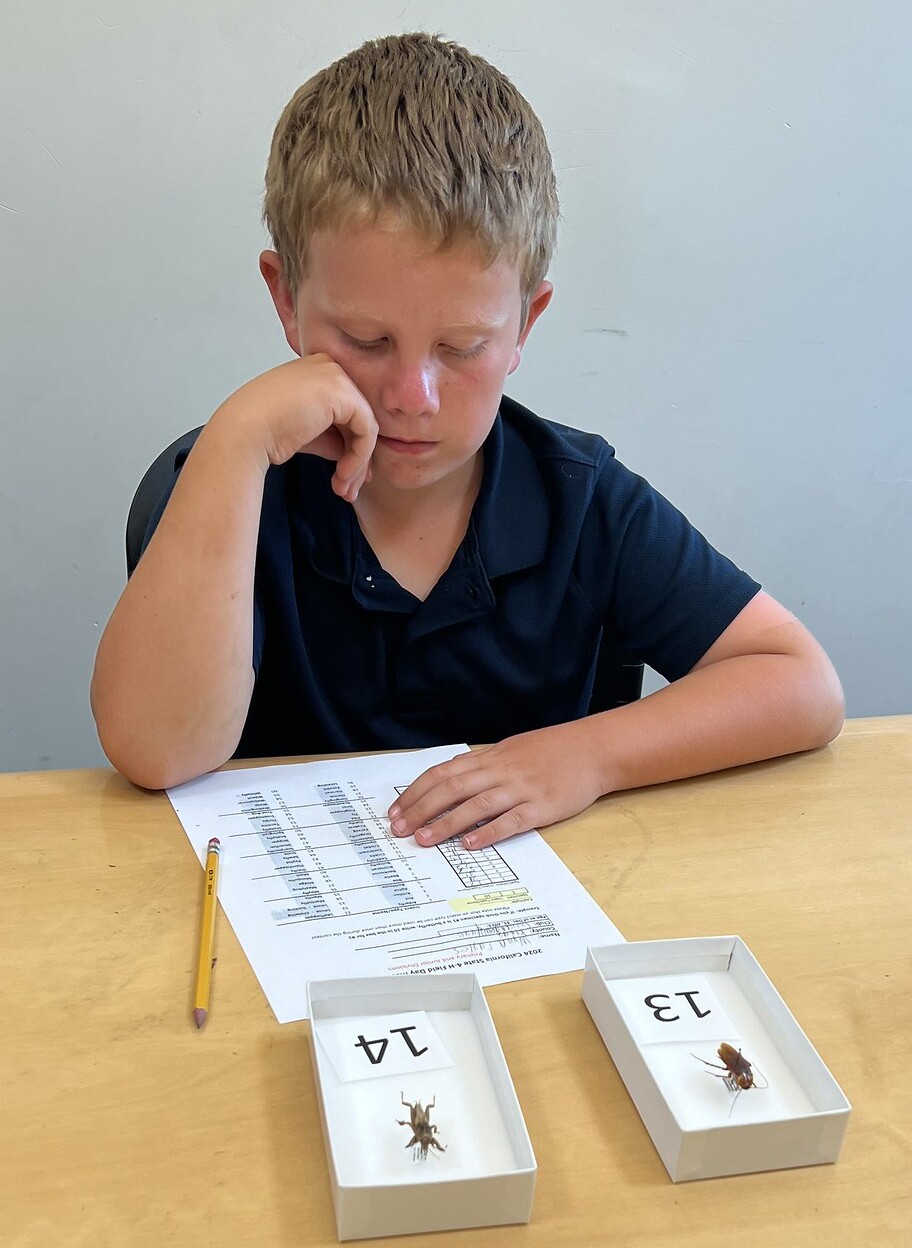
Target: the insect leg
pixel 706 1063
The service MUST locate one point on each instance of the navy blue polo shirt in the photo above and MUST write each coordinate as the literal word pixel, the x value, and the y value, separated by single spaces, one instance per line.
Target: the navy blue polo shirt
pixel 563 541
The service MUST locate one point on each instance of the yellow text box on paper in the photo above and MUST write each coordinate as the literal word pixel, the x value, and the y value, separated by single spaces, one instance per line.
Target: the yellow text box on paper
pixel 487 901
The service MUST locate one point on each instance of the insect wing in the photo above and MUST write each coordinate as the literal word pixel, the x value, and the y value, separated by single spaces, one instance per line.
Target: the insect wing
pixel 739 1066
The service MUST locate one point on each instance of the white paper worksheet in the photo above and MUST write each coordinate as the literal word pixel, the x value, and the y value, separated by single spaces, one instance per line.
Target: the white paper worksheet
pixel 316 887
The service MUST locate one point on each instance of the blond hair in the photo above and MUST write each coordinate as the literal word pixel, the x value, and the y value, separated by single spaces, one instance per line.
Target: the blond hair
pixel 414 126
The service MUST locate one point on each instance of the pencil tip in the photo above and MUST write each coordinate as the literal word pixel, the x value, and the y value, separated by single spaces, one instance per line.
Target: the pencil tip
pixel 200 1017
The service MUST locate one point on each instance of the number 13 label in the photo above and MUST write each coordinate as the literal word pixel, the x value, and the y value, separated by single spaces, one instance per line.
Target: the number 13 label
pixel 673 1007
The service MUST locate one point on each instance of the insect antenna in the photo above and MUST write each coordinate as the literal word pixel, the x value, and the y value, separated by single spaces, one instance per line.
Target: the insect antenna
pixel 761 1087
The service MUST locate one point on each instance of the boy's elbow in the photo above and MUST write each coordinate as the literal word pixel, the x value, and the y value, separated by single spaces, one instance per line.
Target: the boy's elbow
pixel 140 765
pixel 830 723
pixel 126 753
pixel 826 705
pixel 148 772
pixel 158 757
pixel 149 764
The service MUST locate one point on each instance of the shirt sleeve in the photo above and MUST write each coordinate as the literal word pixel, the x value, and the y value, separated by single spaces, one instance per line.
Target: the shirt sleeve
pixel 660 585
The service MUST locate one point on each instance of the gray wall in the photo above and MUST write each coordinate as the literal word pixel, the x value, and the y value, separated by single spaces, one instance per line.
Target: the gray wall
pixel 732 286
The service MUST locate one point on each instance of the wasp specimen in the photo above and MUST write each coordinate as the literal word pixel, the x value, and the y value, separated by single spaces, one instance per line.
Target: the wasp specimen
pixel 423 1130
pixel 739 1073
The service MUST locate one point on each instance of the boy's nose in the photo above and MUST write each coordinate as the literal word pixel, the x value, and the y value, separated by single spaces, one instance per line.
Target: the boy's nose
pixel 412 389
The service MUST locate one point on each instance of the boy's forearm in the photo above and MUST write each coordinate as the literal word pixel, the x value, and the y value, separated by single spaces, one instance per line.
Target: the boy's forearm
pixel 173 675
pixel 739 710
pixel 764 688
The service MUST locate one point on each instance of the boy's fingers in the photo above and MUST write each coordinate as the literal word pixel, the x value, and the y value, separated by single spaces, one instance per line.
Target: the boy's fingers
pixel 347 490
pixel 520 818
pixel 436 790
pixel 353 466
pixel 481 809
pixel 354 461
pixel 514 817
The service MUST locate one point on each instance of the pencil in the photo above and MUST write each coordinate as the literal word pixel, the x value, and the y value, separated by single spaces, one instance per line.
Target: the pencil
pixel 207 934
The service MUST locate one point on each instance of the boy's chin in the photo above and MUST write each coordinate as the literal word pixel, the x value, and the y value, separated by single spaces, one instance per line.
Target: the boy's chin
pixel 420 470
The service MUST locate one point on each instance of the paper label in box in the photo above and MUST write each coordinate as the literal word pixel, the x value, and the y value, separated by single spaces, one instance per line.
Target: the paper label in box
pixel 660 1008
pixel 374 1046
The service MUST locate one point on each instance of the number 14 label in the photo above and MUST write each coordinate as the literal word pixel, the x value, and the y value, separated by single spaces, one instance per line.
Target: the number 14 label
pixel 378 1045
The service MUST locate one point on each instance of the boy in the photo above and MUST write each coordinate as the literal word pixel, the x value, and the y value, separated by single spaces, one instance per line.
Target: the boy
pixel 370 548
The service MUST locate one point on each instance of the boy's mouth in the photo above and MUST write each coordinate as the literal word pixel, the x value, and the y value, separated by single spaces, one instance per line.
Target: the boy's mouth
pixel 404 447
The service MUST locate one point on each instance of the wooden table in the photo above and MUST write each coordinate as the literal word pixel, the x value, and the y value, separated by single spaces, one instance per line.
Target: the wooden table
pixel 123 1125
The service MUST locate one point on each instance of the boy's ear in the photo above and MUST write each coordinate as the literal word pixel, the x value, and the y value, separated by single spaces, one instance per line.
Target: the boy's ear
pixel 271 268
pixel 537 305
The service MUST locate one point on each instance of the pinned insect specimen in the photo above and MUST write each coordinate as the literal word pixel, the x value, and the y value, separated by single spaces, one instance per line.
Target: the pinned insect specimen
pixel 739 1073
pixel 423 1130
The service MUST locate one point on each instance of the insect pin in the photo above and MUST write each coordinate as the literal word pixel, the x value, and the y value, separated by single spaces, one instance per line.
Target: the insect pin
pixel 739 1073
pixel 423 1130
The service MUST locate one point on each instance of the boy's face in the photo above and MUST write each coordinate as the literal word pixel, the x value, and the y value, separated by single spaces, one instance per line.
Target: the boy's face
pixel 428 338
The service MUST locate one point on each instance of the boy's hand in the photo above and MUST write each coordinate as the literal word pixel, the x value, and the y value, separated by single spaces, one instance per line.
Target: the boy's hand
pixel 523 782
pixel 763 689
pixel 308 405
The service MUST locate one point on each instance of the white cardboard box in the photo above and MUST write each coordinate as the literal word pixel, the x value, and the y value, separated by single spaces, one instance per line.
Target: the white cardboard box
pixel 381 1186
pixel 663 1007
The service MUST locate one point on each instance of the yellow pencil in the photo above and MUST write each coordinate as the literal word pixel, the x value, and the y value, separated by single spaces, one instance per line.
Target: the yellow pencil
pixel 207 934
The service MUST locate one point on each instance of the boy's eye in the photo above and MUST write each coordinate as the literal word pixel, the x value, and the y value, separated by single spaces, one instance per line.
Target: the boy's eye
pixel 469 353
pixel 374 344
pixel 359 345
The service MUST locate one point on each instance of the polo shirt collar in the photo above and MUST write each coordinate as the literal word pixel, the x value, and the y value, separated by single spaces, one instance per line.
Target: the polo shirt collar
pixel 508 530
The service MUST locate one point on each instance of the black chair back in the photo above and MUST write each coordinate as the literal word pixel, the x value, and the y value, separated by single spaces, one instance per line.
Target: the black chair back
pixel 149 492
